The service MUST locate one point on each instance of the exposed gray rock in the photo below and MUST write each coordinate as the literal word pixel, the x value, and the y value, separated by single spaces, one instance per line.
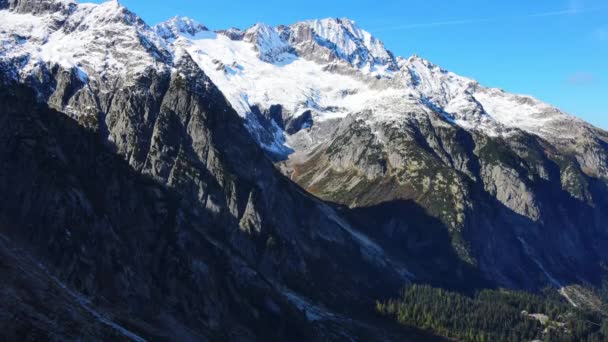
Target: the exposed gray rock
pixel 508 188
pixel 154 253
pixel 38 6
pixel 328 45
pixel 500 199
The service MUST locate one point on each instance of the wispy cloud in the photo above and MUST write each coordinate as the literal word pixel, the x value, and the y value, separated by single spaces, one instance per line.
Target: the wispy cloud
pixel 581 79
pixel 574 8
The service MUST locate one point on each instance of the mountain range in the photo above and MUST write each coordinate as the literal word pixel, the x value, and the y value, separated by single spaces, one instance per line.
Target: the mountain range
pixel 274 183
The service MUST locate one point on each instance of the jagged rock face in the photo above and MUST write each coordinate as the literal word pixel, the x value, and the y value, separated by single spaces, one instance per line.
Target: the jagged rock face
pixel 321 67
pixel 506 186
pixel 100 44
pixel 233 33
pixel 502 200
pixel 176 238
pixel 38 7
pixel 267 42
pixel 154 202
pixel 176 26
pixel 475 158
pixel 118 237
pixel 330 40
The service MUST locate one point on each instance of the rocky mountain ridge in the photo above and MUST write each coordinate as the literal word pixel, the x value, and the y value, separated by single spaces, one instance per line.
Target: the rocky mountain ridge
pixel 365 141
pixel 151 204
pixel 140 158
pixel 333 69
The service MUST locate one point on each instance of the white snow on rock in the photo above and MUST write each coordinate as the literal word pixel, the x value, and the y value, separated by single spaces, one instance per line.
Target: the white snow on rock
pixel 329 67
pixel 348 42
pixel 101 39
pixel 295 83
pixel 179 26
pixel 295 67
pixel 267 43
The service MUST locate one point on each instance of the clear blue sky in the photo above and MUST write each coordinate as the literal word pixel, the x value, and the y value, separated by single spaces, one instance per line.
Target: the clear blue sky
pixel 556 50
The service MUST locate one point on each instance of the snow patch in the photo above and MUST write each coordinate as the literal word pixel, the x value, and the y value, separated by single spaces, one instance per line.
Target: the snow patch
pixel 271 48
pixel 351 44
pixel 92 38
pixel 179 26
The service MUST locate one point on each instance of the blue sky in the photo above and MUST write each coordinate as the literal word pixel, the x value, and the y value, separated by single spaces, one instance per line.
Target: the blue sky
pixel 556 50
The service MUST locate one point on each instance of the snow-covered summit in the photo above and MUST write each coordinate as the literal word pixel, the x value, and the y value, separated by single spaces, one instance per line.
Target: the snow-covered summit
pixel 331 68
pixel 433 82
pixel 470 105
pixel 351 40
pixel 267 42
pixel 328 68
pixel 175 26
pixel 94 39
pixel 326 41
pixel 333 39
pixel 233 33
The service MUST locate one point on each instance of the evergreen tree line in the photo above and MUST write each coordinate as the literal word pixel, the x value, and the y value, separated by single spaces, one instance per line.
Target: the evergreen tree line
pixel 494 315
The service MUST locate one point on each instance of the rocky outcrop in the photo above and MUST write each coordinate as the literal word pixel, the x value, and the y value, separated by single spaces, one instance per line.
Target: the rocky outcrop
pixel 173 240
pixel 514 208
pixel 334 39
pixel 116 239
pixel 176 26
pixel 38 6
pixel 150 201
pixel 267 42
pixel 508 188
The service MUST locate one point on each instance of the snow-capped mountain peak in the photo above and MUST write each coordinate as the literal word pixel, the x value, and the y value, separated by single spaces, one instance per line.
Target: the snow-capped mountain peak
pixel 432 81
pixel 175 26
pixel 267 42
pixel 90 39
pixel 233 33
pixel 329 68
pixel 331 39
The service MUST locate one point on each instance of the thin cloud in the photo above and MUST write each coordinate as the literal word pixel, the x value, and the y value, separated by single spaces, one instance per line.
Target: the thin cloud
pixel 575 8
pixel 581 79
pixel 551 14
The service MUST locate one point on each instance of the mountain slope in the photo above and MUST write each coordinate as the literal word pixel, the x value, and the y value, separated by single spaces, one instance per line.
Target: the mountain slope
pixel 357 126
pixel 141 161
pixel 331 68
pixel 159 260
pixel 162 211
